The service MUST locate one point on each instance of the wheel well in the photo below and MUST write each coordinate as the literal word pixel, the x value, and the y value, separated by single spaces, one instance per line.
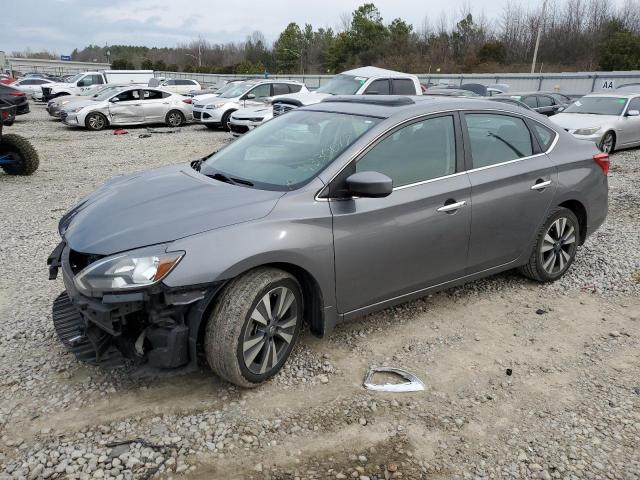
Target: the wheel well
pixel 579 211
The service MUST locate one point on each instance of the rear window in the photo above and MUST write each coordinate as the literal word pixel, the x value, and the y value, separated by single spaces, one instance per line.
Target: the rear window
pixel 497 138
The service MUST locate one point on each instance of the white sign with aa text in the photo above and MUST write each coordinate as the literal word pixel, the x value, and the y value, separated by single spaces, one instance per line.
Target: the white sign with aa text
pixel 608 85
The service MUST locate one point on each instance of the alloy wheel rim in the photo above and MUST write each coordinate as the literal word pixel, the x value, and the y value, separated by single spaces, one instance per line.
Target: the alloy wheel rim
pixel 96 122
pixel 607 143
pixel 270 331
pixel 174 119
pixel 557 246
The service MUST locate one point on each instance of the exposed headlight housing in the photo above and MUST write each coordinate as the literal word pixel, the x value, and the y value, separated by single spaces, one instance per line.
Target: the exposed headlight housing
pixel 586 131
pixel 135 269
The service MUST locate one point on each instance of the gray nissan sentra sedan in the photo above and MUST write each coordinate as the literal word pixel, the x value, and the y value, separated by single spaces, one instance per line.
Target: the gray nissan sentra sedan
pixel 321 215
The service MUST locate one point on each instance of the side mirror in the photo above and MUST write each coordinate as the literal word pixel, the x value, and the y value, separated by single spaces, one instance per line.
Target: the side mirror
pixel 250 96
pixel 633 113
pixel 369 185
pixel 114 100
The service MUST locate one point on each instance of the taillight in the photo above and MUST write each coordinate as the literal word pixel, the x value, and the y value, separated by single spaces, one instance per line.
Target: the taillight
pixel 602 159
pixel 17 94
pixel 187 100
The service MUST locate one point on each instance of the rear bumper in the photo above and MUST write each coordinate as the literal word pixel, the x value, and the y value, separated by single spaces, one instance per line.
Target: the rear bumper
pixel 157 327
pixel 22 108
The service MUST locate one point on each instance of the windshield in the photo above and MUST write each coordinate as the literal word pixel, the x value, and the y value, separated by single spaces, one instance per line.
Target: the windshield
pixel 227 87
pixel 237 89
pixel 342 85
pixel 288 151
pixel 75 78
pixel 94 92
pixel 598 106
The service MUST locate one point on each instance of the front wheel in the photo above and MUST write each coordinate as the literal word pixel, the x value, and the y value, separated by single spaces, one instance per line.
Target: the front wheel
pixel 254 326
pixel 96 121
pixel 225 121
pixel 18 155
pixel 174 118
pixel 608 142
pixel 555 247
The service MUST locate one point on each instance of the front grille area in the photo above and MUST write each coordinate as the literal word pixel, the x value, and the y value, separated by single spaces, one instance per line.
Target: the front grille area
pixel 238 128
pixel 63 115
pixel 78 261
pixel 197 115
pixel 282 108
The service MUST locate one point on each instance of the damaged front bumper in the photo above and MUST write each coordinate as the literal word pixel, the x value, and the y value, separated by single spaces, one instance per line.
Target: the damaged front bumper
pixel 157 327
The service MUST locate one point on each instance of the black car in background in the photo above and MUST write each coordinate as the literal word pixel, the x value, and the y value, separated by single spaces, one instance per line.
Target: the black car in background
pixel 15 97
pixel 546 103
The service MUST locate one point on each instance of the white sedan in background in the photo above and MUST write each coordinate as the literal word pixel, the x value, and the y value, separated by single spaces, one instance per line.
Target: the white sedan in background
pixel 31 86
pixel 611 120
pixel 129 106
pixel 246 119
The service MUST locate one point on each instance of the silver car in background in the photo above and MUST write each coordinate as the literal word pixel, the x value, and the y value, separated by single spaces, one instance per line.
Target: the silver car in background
pixel 129 106
pixel 57 104
pixel 321 215
pixel 610 120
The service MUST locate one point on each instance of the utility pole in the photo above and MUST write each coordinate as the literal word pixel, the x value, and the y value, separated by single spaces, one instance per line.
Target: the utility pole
pixel 540 23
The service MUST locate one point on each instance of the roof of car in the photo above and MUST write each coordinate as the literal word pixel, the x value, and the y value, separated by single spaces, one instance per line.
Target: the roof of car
pixel 374 72
pixel 271 80
pixel 385 106
pixel 613 93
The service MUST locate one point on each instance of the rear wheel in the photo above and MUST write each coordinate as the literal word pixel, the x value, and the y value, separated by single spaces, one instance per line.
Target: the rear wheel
pixel 174 118
pixel 555 247
pixel 254 326
pixel 19 151
pixel 96 121
pixel 608 142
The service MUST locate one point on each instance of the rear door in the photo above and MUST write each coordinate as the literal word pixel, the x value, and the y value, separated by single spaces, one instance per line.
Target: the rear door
pixel 417 236
pixel 512 186
pixel 155 105
pixel 127 109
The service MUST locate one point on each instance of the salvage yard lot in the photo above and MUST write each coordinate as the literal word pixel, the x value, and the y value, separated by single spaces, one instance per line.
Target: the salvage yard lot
pixel 570 407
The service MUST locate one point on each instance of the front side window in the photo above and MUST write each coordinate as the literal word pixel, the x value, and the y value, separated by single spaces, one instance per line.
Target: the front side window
pixel 129 95
pixel 288 151
pixel 544 101
pixel 497 138
pixel 343 85
pixel 421 151
pixel 378 87
pixel 597 106
pixel 531 101
pixel 262 91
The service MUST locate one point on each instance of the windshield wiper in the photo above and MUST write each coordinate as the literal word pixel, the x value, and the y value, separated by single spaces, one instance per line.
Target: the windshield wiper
pixel 233 181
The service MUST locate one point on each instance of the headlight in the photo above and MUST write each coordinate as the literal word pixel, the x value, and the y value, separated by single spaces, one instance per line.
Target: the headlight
pixel 214 106
pixel 73 110
pixel 135 269
pixel 586 131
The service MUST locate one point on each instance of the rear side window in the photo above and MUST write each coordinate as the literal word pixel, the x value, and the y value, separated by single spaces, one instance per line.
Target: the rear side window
pixel 545 136
pixel 378 87
pixel 421 151
pixel 403 86
pixel 531 101
pixel 153 95
pixel 544 101
pixel 293 88
pixel 280 89
pixel 497 138
pixel 185 82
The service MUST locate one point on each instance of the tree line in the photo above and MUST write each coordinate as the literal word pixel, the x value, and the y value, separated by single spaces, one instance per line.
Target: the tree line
pixel 577 35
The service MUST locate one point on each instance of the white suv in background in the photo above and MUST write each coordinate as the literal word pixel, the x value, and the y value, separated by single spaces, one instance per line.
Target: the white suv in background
pixel 360 81
pixel 216 112
pixel 180 85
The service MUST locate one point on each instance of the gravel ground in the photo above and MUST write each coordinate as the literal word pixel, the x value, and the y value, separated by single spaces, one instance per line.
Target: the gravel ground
pixel 523 380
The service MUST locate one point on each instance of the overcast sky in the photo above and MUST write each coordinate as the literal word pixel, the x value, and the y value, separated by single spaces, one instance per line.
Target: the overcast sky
pixel 61 25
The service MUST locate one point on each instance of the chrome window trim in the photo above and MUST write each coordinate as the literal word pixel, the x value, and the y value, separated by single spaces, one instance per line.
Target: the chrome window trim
pixel 423 115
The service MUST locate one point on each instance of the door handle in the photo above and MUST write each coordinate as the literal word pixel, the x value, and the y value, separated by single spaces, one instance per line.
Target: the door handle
pixel 540 185
pixel 450 207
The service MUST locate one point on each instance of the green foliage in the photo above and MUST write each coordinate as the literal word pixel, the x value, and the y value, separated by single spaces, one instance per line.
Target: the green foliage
pixel 147 64
pixel 289 49
pixel 122 64
pixel 620 50
pixel 492 51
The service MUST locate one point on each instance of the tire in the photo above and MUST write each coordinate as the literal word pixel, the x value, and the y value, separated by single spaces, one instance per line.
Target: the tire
pixel 238 342
pixel 96 121
pixel 550 258
pixel 174 118
pixel 225 120
pixel 22 151
pixel 608 142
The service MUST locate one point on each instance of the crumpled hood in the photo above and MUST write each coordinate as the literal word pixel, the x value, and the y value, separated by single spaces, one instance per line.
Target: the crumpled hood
pixel 257 111
pixel 207 98
pixel 306 98
pixel 159 206
pixel 571 121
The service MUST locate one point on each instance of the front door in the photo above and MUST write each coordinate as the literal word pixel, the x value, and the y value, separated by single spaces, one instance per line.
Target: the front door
pixel 126 108
pixel 512 185
pixel 417 236
pixel 629 132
